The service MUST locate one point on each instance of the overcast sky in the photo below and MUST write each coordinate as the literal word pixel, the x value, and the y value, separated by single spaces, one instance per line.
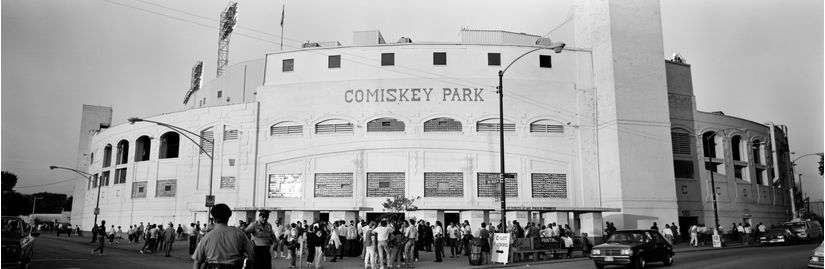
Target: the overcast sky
pixel 758 60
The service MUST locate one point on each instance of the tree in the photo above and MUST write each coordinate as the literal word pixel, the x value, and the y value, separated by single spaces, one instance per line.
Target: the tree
pixel 398 204
pixel 9 180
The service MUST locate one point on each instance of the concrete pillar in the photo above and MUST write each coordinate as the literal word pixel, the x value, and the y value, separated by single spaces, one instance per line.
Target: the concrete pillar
pixel 277 215
pixel 300 215
pixel 426 215
pixel 520 216
pixel 342 215
pixel 475 217
pixel 560 218
pixel 593 225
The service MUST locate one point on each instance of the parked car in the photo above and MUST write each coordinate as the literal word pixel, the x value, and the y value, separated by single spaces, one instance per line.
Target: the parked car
pixel 633 247
pixel 18 243
pixel 779 235
pixel 815 260
pixel 805 229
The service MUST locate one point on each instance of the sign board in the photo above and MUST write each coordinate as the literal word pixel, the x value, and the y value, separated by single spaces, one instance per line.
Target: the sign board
pixel 97 211
pixel 501 248
pixel 717 242
pixel 210 200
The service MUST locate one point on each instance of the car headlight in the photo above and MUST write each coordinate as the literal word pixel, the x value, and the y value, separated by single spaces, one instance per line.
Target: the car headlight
pixel 597 252
pixel 626 252
pixel 814 258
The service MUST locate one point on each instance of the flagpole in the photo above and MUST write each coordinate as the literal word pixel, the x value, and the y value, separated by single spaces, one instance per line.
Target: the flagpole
pixel 283 10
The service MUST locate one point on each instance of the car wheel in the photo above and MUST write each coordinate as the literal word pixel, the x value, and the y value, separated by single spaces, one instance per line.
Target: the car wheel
pixel 640 263
pixel 668 261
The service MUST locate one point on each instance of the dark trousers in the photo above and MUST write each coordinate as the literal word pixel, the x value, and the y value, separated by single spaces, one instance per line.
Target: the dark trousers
pixel 344 241
pixel 168 246
pixel 439 249
pixel 310 253
pixel 352 248
pixel 263 258
pixel 146 245
pixel 193 243
pixel 100 245
pixel 466 246
pixel 454 247
pixel 94 236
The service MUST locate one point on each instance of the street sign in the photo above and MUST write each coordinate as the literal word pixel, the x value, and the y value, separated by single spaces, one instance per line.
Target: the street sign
pixel 501 247
pixel 97 211
pixel 210 200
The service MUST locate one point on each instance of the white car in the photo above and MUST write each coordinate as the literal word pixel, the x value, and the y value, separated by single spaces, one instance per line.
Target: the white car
pixel 805 229
pixel 815 261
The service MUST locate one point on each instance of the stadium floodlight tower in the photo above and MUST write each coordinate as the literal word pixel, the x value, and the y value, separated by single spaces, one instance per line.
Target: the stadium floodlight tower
pixel 228 20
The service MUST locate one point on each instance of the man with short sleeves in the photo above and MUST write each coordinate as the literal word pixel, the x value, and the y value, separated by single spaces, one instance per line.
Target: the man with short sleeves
pixel 223 247
pixel 262 238
pixel 382 234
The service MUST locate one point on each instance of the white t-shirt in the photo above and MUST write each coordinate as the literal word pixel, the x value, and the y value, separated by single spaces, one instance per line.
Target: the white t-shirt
pixel 668 232
pixel 382 232
pixel 451 232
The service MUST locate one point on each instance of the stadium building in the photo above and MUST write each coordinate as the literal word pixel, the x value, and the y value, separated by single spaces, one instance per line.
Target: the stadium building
pixel 606 130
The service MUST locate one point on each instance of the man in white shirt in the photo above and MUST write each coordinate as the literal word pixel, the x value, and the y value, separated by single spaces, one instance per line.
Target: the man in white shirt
pixel 438 234
pixel 411 234
pixel 452 233
pixel 382 234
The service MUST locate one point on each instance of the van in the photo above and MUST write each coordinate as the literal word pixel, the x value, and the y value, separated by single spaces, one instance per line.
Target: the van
pixel 805 229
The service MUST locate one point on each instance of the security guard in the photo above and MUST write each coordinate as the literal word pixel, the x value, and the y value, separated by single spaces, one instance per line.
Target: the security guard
pixel 262 238
pixel 223 247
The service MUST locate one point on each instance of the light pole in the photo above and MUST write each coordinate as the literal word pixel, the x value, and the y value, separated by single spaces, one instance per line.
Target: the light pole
pixel 184 132
pixel 34 202
pixel 793 168
pixel 712 181
pixel 543 44
pixel 89 178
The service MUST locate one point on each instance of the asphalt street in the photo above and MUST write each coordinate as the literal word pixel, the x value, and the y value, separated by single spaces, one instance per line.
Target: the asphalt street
pixel 62 252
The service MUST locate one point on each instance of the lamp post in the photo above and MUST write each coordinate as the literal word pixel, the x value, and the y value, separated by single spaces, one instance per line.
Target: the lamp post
pixel 712 181
pixel 89 178
pixel 184 132
pixel 543 43
pixel 793 168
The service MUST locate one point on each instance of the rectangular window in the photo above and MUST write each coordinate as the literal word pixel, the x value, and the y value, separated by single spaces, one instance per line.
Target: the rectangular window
pixel 104 179
pixel 683 169
pixel 334 61
pixel 227 182
pixel 545 61
pixel 207 138
pixel 286 130
pixel 289 65
pixel 680 143
pixel 231 162
pixel 741 172
pixel 286 186
pixel 439 58
pixel 493 58
pixel 444 184
pixel 482 127
pixel 548 185
pixel 166 188
pixel 760 178
pixel 385 184
pixel 333 185
pixel 120 176
pixel 139 189
pixel 230 135
pixel 220 94
pixel 333 128
pixel 489 186
pixel 387 59
pixel 545 128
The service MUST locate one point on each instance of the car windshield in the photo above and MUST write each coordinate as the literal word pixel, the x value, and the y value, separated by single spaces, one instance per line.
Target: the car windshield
pixel 626 238
pixel 795 225
pixel 777 231
pixel 12 227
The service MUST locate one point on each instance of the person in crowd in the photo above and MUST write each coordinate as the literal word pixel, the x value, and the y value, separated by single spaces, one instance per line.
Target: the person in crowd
pixel 94 232
pixel 334 242
pixel 169 236
pixel 675 231
pixel 370 246
pixel 484 234
pixel 193 238
pixel 318 243
pixel 453 234
pixel 111 235
pixel 352 240
pixel 748 232
pixel 101 233
pixel 223 247
pixel 411 234
pixel 655 226
pixel 694 235
pixel 262 238
pixel 586 245
pixel 292 244
pixel 396 244
pixel 280 239
pixel 668 233
pixel 438 235
pixel 466 235
pixel 382 237
pixel 568 245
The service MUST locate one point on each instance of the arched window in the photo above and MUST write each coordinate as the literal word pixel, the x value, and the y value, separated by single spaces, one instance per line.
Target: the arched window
pixel 711 147
pixel 122 152
pixel 709 144
pixel 442 125
pixel 492 125
pixel 737 146
pixel 169 144
pixel 546 126
pixel 286 128
pixel 207 140
pixel 142 147
pixel 333 126
pixel 385 125
pixel 680 143
pixel 107 155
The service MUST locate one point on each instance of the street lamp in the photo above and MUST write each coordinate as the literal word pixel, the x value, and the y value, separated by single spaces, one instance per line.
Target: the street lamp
pixel 184 132
pixel 793 168
pixel 89 178
pixel 543 43
pixel 712 181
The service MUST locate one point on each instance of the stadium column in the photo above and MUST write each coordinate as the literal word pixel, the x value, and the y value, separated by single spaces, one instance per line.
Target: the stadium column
pixel 560 218
pixel 475 217
pixel 592 224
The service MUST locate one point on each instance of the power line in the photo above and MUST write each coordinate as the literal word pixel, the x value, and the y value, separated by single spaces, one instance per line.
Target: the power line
pixel 47 184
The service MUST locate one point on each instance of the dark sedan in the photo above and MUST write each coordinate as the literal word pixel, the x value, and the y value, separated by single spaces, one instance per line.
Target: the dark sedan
pixel 18 243
pixel 633 247
pixel 779 235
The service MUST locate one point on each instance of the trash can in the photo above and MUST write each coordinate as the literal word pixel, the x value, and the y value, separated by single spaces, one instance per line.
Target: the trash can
pixel 475 251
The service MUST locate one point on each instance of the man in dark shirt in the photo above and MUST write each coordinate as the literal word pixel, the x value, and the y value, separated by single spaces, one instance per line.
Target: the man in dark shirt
pixel 101 233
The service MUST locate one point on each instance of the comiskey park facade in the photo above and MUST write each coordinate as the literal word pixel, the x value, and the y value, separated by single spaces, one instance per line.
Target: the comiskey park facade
pixel 592 134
